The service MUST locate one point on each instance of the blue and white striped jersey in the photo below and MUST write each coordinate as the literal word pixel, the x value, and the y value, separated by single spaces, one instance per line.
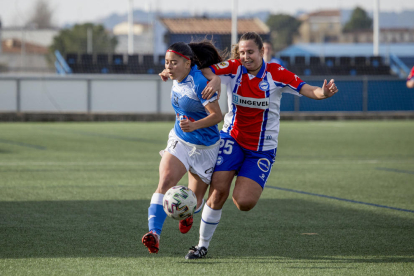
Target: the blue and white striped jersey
pixel 188 104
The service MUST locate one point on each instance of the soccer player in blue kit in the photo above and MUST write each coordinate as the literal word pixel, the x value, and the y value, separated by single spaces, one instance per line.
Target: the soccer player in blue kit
pixel 193 143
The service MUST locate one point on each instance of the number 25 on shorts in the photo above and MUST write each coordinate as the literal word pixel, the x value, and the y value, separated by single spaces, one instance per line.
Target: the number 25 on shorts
pixel 226 146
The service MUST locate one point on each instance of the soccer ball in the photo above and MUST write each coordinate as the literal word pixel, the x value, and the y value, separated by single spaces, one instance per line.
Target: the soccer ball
pixel 179 202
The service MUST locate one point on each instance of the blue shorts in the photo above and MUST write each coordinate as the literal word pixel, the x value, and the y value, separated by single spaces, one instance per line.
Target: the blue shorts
pixel 255 165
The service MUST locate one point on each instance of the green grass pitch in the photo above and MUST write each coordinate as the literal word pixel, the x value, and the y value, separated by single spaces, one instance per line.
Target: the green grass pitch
pixel 339 201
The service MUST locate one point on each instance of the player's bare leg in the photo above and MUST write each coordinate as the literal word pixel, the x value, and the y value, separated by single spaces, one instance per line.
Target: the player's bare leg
pixel 246 193
pixel 218 194
pixel 199 187
pixel 171 170
pixel 219 189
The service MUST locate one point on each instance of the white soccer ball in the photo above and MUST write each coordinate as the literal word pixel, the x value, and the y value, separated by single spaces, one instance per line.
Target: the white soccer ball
pixel 179 202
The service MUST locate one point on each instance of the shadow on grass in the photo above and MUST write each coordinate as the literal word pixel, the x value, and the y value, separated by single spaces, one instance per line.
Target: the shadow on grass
pixel 273 231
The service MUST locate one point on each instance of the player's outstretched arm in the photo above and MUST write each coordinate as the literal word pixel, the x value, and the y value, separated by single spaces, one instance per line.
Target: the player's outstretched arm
pixel 410 79
pixel 319 93
pixel 213 86
pixel 164 75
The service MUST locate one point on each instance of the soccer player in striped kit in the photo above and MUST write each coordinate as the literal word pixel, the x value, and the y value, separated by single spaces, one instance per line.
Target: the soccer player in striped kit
pixel 193 143
pixel 250 132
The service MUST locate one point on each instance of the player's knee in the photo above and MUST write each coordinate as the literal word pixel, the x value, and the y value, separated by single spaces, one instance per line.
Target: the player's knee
pixel 164 184
pixel 244 204
pixel 217 198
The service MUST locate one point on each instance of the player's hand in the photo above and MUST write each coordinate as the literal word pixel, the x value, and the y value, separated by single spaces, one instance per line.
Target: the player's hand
pixel 187 126
pixel 212 87
pixel 164 75
pixel 329 89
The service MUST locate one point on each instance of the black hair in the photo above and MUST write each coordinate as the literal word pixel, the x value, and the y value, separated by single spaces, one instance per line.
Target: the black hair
pixel 247 36
pixel 202 53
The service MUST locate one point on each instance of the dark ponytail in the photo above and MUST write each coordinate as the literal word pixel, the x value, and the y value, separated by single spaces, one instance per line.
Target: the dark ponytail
pixel 206 54
pixel 202 54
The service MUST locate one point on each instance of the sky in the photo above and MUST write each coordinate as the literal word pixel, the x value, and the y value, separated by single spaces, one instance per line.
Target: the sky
pixel 16 12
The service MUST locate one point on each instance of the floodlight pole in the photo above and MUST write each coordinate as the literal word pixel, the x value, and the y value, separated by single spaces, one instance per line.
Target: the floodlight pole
pixel 376 27
pixel 23 49
pixel 234 23
pixel 130 28
pixel 0 36
pixel 89 45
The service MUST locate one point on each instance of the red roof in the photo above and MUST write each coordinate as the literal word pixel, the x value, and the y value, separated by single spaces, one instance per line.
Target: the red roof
pixel 212 25
pixel 325 13
pixel 14 46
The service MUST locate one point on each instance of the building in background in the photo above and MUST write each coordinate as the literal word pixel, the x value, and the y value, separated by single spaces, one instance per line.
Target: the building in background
pixel 387 35
pixel 25 49
pixel 320 26
pixel 326 26
pixel 143 38
pixel 32 59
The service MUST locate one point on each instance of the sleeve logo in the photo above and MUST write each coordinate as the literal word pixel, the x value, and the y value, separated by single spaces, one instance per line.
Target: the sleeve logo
pixel 223 64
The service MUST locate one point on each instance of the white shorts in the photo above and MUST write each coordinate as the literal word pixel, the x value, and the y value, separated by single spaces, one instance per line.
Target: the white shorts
pixel 197 159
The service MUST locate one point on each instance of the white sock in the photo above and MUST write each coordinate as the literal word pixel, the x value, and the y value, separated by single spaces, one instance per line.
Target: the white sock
pixel 209 221
pixel 199 208
pixel 157 198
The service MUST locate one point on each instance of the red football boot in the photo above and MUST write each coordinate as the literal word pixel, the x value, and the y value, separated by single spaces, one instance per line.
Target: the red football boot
pixel 151 240
pixel 185 224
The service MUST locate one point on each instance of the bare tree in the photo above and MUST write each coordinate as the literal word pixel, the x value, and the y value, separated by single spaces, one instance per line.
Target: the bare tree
pixel 42 15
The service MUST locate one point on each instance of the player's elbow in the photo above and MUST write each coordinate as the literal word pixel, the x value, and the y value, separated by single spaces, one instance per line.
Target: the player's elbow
pixel 218 117
pixel 410 84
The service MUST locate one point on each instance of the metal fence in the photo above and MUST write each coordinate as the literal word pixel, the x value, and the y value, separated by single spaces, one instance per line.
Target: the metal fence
pixel 147 94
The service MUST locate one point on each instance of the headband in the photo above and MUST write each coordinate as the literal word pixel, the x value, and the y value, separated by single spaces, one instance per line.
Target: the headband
pixel 178 54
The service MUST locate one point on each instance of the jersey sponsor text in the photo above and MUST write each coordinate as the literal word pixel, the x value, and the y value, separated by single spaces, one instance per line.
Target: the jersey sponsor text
pixel 262 103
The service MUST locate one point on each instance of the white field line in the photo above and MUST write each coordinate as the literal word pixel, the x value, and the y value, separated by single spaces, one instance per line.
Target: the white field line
pixel 75 163
pixel 346 162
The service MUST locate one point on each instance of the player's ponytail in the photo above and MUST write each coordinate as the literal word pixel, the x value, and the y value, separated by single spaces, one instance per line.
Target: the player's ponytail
pixel 202 53
pixel 235 54
pixel 206 54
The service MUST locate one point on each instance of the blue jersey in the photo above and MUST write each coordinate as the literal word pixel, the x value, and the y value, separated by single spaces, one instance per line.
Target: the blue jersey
pixel 188 104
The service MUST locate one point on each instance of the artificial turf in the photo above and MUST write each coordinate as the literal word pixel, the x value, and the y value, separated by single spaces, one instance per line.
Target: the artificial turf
pixel 339 201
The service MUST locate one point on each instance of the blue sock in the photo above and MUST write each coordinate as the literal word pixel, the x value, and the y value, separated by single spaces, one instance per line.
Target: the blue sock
pixel 156 214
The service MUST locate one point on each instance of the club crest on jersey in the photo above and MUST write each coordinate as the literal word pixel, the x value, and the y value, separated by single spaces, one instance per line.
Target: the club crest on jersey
pixel 176 100
pixel 223 64
pixel 263 164
pixel 264 85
